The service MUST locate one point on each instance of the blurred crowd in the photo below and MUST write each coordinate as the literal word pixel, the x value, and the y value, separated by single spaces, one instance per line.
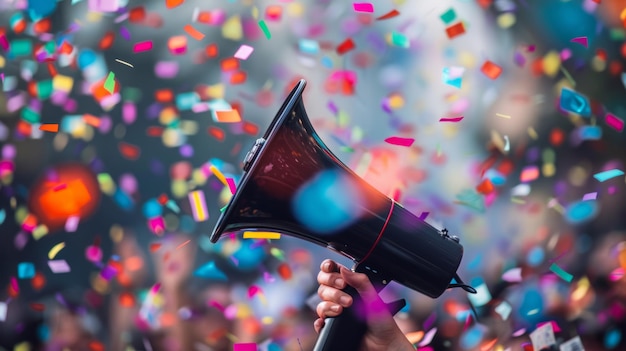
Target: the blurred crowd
pixel 514 111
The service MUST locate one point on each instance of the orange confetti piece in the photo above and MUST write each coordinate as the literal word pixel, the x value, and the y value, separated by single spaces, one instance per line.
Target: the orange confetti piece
pixel 229 64
pixel 238 77
pixel 250 128
pixel 284 271
pixel 183 244
pixel 38 281
pixel 194 33
pixel 273 12
pixel 129 151
pixel 127 299
pixel 217 133
pixel 107 40
pixel 230 116
pixel 91 120
pixel 388 15
pixel 485 187
pixel 164 95
pixel 170 4
pixel 346 46
pixel 49 127
pixel 211 50
pixel 491 70
pixel 96 346
pixel 154 247
pixel 177 45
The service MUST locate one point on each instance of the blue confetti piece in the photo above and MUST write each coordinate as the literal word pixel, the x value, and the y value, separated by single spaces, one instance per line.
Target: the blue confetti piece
pixel 590 133
pixel 152 208
pixel 124 201
pixel 38 9
pixel 535 256
pixel 3 216
pixel 308 46
pixel 471 338
pixel 606 175
pixel 612 339
pixel 581 211
pixel 25 270
pixel 185 101
pixel 472 199
pixel 210 271
pixel 573 102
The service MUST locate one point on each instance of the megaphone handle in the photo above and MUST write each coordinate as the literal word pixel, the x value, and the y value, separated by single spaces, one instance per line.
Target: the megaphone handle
pixel 344 332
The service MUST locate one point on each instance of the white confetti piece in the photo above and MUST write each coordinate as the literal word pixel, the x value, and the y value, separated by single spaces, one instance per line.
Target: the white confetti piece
pixel 244 52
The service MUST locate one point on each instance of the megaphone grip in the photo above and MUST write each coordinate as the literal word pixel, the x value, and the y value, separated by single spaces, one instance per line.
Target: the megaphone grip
pixel 344 332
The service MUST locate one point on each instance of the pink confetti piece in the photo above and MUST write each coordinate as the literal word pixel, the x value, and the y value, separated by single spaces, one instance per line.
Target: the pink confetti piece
pixel 581 40
pixel 248 346
pixel 451 119
pixel 555 326
pixel 590 196
pixel 513 275
pixel 231 185
pixel 519 332
pixel 614 122
pixel 198 206
pixel 59 266
pixel 71 224
pixel 14 284
pixel 400 141
pixel 529 173
pixel 253 291
pixel 155 288
pixel 244 52
pixel 428 337
pixel 363 7
pixel 142 46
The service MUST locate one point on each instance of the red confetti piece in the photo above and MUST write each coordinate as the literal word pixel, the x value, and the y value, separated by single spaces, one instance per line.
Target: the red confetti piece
pixel 455 30
pixel 137 14
pixel 238 77
pixel 162 199
pixel 491 70
pixel 250 128
pixel 51 127
pixel 400 141
pixel 229 64
pixel 284 271
pixel 107 40
pixel 129 151
pixel 217 133
pixel 211 50
pixel 273 12
pixel 485 187
pixel 346 46
pixel 194 33
pixel 154 247
pixel 37 307
pixel 614 122
pixel 142 46
pixel 451 119
pixel 388 15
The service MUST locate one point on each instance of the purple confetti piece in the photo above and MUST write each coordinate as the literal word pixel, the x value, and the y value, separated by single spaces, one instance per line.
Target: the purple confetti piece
pixel 59 266
pixel 590 196
pixel 124 33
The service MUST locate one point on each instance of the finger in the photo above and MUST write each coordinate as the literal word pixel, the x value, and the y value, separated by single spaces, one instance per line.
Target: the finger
pixel 331 279
pixel 336 296
pixel 361 283
pixel 329 266
pixel 327 309
pixel 318 324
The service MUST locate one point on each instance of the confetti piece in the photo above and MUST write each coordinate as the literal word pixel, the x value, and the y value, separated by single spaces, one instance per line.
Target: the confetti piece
pixel 170 4
pixel 448 16
pixel 25 270
pixel 614 122
pixel 581 211
pixel 491 70
pixel 453 76
pixel 218 174
pixel 198 205
pixel 230 116
pixel 580 40
pixel 573 344
pixel 177 45
pixel 451 119
pixel 261 235
pixel 142 46
pixel 561 273
pixel 388 15
pixel 249 346
pixel 183 244
pixel 576 103
pixel 231 185
pixel 428 337
pixel 59 266
pixel 129 151
pixel 504 309
pixel 210 271
pixel 400 40
pixel 193 32
pixel 400 141
pixel 49 127
pixel 529 173
pixel 482 296
pixel 71 224
pixel 265 30
pixel 109 83
pixel 503 116
pixel 345 46
pixel 244 52
pixel 273 12
pixel 363 7
pixel 3 311
pixel 543 337
pixel 124 63
pixel 55 250
pixel 606 175
pixel 590 196
pixel 455 30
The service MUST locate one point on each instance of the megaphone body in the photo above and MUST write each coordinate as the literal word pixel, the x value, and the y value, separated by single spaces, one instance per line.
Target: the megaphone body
pixel 293 184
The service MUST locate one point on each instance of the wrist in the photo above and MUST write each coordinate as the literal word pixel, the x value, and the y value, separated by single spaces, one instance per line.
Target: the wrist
pixel 401 343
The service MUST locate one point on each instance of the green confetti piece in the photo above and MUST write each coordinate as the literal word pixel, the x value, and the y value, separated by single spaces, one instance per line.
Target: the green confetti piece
pixel 21 47
pixel 44 89
pixel 265 30
pixel 347 149
pixel 109 84
pixel 617 34
pixel 561 273
pixel 223 208
pixel 399 39
pixel 131 94
pixel 30 116
pixel 448 16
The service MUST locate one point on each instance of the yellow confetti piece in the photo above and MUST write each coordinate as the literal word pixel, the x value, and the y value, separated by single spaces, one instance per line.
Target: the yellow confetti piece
pixel 216 172
pixel 62 83
pixel 124 63
pixel 261 235
pixel 503 115
pixel 232 29
pixel 516 200
pixel 267 320
pixel 55 250
pixel 581 289
pixel 24 346
pixel 532 133
pixel 551 63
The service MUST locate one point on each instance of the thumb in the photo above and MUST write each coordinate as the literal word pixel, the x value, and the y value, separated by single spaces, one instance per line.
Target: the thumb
pixel 361 283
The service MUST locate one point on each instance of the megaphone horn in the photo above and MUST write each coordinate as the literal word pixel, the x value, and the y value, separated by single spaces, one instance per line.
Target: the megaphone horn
pixel 293 184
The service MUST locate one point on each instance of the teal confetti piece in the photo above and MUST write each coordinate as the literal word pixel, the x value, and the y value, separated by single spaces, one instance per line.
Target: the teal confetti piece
pixel 448 16
pixel 44 89
pixel 399 39
pixel 590 133
pixel 223 208
pixel 574 102
pixel 308 46
pixel 30 116
pixel 109 84
pixel 210 271
pixel 3 216
pixel 265 30
pixel 606 175
pixel 561 273
pixel 25 270
pixel 21 47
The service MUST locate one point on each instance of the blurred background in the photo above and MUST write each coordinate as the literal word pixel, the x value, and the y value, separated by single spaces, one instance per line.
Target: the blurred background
pixel 117 118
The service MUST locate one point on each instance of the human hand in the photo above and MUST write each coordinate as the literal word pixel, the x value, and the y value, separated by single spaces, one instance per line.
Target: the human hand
pixel 382 331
